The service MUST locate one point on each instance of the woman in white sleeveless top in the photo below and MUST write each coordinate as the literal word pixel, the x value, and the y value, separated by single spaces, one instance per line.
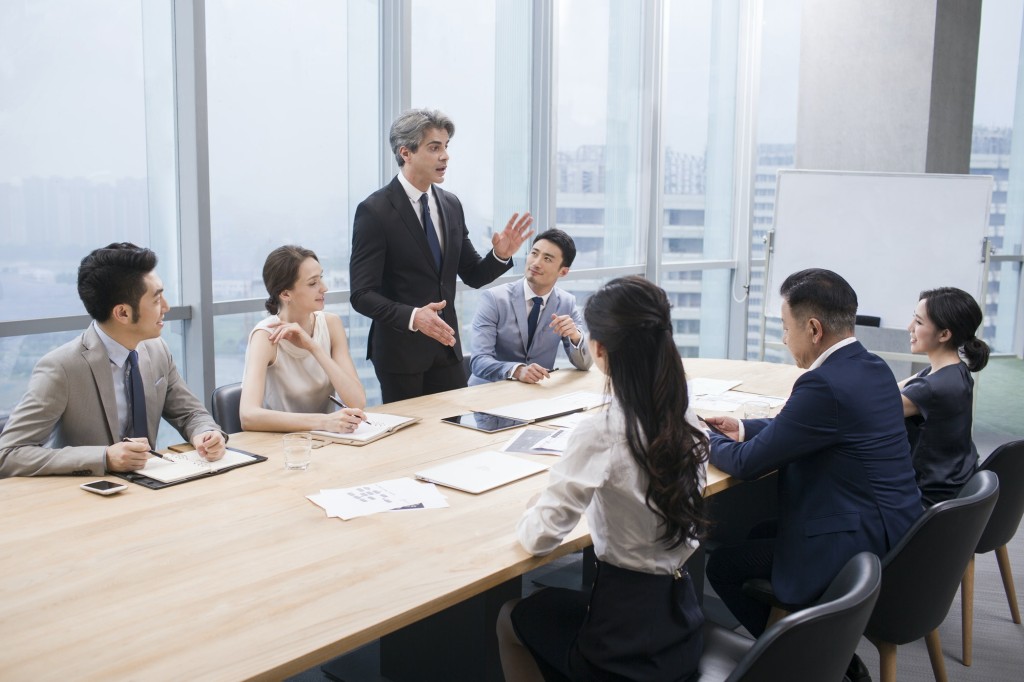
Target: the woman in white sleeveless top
pixel 298 357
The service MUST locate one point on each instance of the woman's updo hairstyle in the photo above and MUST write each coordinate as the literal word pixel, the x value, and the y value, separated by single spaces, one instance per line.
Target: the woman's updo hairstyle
pixel 281 271
pixel 956 310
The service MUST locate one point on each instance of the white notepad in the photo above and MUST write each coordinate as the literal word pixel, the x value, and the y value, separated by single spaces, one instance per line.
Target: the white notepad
pixel 481 472
pixel 177 466
pixel 377 425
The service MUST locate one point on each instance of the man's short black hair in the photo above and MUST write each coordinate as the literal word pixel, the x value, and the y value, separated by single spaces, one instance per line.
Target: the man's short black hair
pixel 824 295
pixel 113 275
pixel 562 241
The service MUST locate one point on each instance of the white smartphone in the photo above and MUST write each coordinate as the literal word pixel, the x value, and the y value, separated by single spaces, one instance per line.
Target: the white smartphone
pixel 103 487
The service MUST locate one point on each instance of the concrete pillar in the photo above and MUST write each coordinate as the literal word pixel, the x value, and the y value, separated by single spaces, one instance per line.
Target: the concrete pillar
pixel 887 85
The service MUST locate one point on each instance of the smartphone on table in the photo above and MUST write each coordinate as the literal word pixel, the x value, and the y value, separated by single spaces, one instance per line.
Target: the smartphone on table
pixel 103 487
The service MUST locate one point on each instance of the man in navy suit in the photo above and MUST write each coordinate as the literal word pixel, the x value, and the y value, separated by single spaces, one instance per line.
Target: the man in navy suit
pixel 845 478
pixel 519 327
pixel 409 241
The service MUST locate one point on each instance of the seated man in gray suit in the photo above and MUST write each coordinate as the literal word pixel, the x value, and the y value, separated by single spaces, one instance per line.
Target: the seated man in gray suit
pixel 519 326
pixel 94 405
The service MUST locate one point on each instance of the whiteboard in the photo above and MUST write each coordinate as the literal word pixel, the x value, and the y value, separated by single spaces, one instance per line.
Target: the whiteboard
pixel 890 235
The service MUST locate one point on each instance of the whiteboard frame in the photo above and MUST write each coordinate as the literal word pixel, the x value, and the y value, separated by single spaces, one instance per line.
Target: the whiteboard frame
pixel 986 250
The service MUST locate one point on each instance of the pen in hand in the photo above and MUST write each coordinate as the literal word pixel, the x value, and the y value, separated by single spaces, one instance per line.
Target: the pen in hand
pixel 151 451
pixel 344 407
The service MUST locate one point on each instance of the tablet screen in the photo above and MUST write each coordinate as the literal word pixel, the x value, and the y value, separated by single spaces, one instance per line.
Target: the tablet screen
pixel 481 421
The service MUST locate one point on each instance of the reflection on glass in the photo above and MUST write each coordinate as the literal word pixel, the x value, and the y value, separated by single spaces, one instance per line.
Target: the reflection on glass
pixel 293 131
pixel 73 143
pixel 598 163
pixel 776 150
pixel 997 107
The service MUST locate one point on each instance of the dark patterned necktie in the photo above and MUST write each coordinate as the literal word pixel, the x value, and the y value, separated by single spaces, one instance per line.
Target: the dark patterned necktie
pixel 428 228
pixel 531 321
pixel 137 427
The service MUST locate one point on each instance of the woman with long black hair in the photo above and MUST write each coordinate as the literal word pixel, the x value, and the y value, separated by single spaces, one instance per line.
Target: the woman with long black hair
pixel 637 471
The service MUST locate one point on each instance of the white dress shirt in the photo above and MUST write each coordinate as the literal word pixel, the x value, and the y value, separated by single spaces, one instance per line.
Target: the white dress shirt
pixel 118 355
pixel 414 195
pixel 598 476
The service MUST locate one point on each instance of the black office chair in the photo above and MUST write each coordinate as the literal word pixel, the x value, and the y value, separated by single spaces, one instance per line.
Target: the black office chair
pixel 1008 463
pixel 467 365
pixel 921 574
pixel 225 402
pixel 810 645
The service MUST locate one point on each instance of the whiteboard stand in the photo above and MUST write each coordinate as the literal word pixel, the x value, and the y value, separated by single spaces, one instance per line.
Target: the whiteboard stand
pixel 769 247
pixel 890 235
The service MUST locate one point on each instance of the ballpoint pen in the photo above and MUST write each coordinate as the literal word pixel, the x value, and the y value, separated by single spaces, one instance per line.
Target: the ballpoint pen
pixel 151 451
pixel 344 406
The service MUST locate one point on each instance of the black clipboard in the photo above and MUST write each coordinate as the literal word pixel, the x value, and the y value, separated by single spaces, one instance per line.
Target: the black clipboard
pixel 153 484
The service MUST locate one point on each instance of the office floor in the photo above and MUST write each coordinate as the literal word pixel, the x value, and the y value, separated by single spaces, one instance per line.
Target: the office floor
pixel 998 642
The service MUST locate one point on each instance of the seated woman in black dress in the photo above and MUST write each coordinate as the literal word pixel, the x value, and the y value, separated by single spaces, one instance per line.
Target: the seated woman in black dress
pixel 637 471
pixel 937 402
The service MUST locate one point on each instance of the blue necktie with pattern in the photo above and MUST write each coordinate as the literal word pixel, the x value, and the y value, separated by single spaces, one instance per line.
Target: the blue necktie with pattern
pixel 531 321
pixel 136 399
pixel 428 228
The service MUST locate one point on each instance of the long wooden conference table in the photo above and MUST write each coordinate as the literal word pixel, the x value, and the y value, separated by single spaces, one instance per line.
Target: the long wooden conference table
pixel 239 576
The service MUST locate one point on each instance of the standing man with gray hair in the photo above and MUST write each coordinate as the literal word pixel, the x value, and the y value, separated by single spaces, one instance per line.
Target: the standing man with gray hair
pixel 409 241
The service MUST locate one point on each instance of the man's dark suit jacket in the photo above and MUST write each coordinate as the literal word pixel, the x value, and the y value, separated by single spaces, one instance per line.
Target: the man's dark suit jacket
pixel 846 481
pixel 392 271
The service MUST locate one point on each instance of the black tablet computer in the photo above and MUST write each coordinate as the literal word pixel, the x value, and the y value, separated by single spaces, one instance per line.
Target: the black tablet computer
pixel 481 421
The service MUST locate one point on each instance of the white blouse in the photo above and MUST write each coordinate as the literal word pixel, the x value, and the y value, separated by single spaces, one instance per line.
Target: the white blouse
pixel 295 380
pixel 598 475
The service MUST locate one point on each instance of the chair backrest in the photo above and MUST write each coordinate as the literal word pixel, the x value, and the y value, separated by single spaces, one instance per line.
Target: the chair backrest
pixel 1008 463
pixel 224 403
pixel 818 642
pixel 922 573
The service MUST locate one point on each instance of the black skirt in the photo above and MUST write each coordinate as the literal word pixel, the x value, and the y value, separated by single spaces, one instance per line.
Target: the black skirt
pixel 632 626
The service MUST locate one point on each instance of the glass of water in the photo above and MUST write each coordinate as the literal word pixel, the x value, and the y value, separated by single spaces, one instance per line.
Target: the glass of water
pixel 298 448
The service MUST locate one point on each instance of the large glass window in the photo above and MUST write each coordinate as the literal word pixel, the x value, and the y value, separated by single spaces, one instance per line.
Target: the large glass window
pixel 776 150
pixel 73 142
pixel 472 61
pixel 86 156
pixel 294 92
pixel 698 110
pixel 998 106
pixel 598 172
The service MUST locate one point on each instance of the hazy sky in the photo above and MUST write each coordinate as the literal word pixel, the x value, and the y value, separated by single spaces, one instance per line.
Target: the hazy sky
pixel 72 96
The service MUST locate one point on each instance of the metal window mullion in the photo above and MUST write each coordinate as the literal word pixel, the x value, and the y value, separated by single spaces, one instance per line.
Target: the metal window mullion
pixel 543 124
pixel 396 74
pixel 194 193
pixel 651 182
pixel 748 79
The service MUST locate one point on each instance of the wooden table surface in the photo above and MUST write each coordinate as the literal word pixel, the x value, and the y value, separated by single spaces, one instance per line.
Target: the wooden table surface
pixel 239 576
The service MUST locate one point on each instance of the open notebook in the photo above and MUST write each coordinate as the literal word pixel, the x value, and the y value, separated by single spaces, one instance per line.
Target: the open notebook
pixel 180 466
pixel 481 472
pixel 376 426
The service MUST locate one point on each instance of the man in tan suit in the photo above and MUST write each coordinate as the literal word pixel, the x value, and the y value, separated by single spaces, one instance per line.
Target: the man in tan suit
pixel 79 415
